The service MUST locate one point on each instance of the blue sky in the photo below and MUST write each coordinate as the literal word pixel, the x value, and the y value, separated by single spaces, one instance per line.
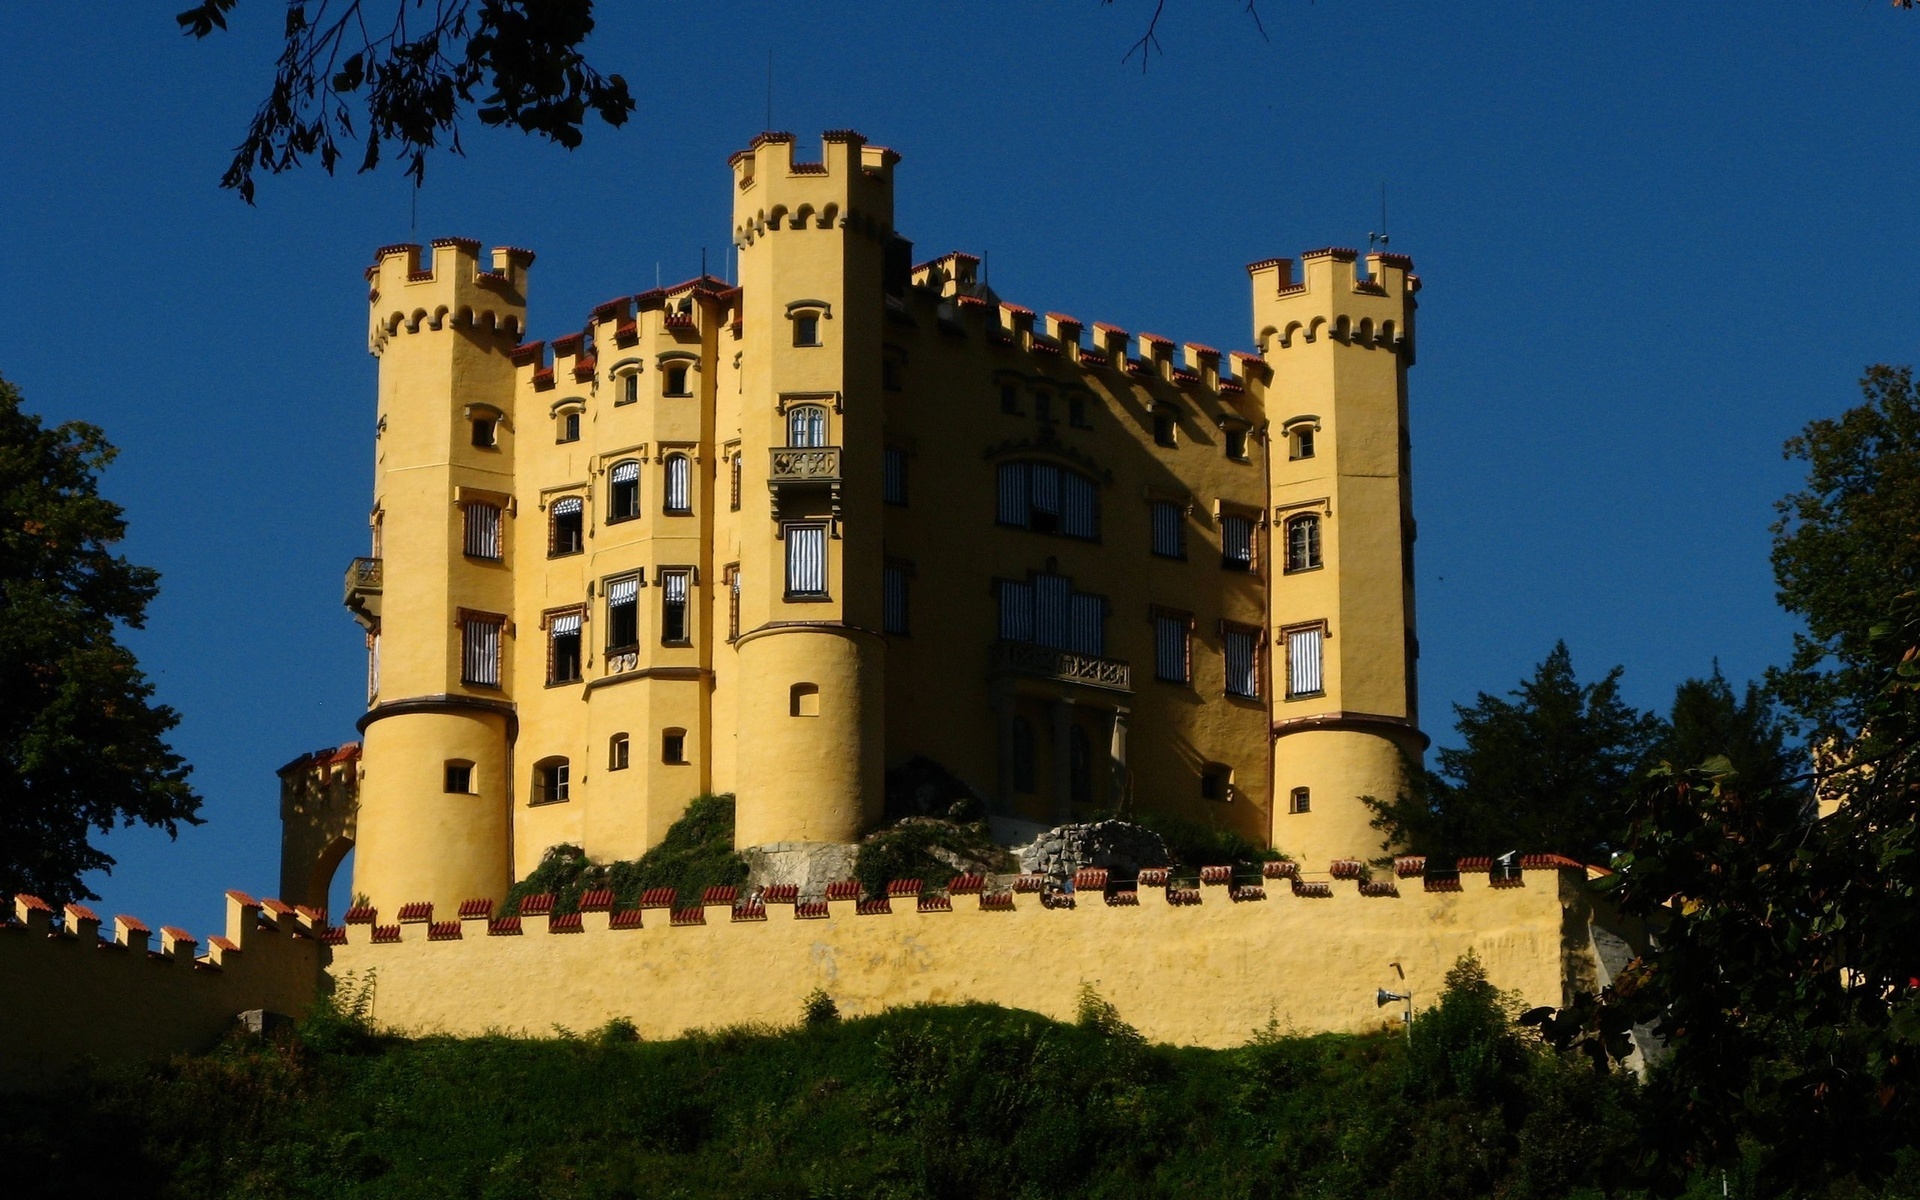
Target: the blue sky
pixel 1656 239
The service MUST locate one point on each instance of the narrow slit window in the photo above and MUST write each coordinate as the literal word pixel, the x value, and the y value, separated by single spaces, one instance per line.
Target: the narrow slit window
pixel 733 603
pixel 629 388
pixel 679 485
pixel 735 503
pixel 894 476
pixel 893 606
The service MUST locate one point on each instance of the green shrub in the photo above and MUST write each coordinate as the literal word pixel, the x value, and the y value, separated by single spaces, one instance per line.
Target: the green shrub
pixel 696 854
pixel 1192 845
pixel 819 1009
pixel 908 851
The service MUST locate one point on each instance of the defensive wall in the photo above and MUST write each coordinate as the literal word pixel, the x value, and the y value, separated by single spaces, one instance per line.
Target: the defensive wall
pixel 1203 966
pixel 73 998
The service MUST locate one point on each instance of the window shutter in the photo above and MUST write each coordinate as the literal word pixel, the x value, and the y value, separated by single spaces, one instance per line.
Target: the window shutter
pixel 895 476
pixel 1013 495
pixel 567 506
pixel 1236 538
pixel 1303 662
pixel 1088 633
pixel 566 625
pixel 483 531
pixel 806 560
pixel 894 600
pixel 1016 611
pixel 1082 503
pixel 481 652
pixel 626 472
pixel 1242 664
pixel 679 488
pixel 675 583
pixel 1046 488
pixel 1051 601
pixel 1170 648
pixel 1168 534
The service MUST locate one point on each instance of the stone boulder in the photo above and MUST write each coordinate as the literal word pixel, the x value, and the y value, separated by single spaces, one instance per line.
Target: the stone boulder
pixel 1120 846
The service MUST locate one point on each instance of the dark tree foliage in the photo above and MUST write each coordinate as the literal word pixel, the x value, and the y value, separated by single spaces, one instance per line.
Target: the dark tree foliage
pixel 82 746
pixel 1708 720
pixel 1846 545
pixel 1785 972
pixel 1546 770
pixel 413 69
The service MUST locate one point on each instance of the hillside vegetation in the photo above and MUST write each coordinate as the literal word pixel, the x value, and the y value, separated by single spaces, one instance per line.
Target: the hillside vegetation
pixel 968 1101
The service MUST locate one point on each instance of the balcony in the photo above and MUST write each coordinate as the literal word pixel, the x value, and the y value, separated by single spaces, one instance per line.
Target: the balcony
pixel 795 469
pixel 1060 666
pixel 363 591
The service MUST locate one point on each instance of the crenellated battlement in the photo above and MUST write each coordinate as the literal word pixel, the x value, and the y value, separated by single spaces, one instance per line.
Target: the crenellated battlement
pixel 850 188
pixel 451 290
pixel 1334 300
pixel 118 999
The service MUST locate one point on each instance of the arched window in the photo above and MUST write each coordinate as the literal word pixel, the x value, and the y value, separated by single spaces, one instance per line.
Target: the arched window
pixel 550 781
pixel 1023 772
pixel 1303 542
pixel 1048 498
pixel 624 501
pixel 807 426
pixel 679 485
pixel 566 527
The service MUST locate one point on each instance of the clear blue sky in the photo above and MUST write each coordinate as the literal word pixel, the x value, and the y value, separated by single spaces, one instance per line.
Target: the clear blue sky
pixel 1656 239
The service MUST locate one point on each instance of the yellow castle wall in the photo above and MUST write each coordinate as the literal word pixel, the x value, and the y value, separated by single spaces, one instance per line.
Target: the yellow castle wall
pixel 1209 974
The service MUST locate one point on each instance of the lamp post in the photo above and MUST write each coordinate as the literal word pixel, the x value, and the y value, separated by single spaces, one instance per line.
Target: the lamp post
pixel 1382 997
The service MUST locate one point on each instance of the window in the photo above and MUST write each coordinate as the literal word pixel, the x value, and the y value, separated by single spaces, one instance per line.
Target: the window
pixel 618 752
pixel 1164 429
pixel 623 500
pixel 1049 499
pixel 1171 658
pixel 1303 542
pixel 629 388
pixel 1042 406
pixel 1077 412
pixel 1243 662
pixel 1216 782
pixel 803 700
pixel 893 488
pixel 1023 772
pixel 806 562
pixel 1303 662
pixel 735 503
pixel 550 781
pixel 677 381
pixel 1236 542
pixel 893 600
pixel 483 531
pixel 1010 400
pixel 806 329
pixel 565 528
pixel 806 426
pixel 673 607
pixel 623 614
pixel 1237 444
pixel 1169 529
pixel 733 602
pixel 1300 801
pixel 486 433
pixel 567 429
pixel 459 777
pixel 673 745
pixel 480 649
pixel 563 648
pixel 1046 611
pixel 1300 442
pixel 679 485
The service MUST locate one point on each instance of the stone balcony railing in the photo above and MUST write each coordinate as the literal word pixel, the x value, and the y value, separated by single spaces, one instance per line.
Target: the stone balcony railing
pixel 808 464
pixel 364 578
pixel 1064 666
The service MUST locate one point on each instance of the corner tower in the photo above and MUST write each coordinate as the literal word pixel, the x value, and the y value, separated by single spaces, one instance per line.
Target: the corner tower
pixel 1346 722
pixel 435 791
pixel 813 241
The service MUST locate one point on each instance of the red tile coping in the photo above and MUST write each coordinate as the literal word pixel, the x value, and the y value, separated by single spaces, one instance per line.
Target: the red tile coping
pixel 1090 879
pixel 279 908
pixel 873 908
pixel 133 924
pixel 444 931
pixel 386 933
pixel 1154 876
pixel 334 935
pixel 904 887
pixel 80 912
pixel 934 903
pixel 1245 892
pixel 1030 883
pixel 966 885
pixel 687 916
pixel 597 900
pixel 225 945
pixel 1547 862
pixel 536 906
pixel 1119 899
pixel 1506 881
pixel 780 893
pixel 1475 863
pixel 360 914
pixel 844 889
pixel 317 915
pixel 1379 887
pixel 809 910
pixel 1284 869
pixel 418 911
pixel 178 934
pixel 996 901
pixel 476 910
pixel 1441 883
pixel 750 910
pixel 1345 868
pixel 626 918
pixel 1406 866
pixel 1179 896
pixel 565 923
pixel 720 895
pixel 242 898
pixel 1340 253
pixel 657 898
pixel 1216 875
pixel 504 927
pixel 1318 890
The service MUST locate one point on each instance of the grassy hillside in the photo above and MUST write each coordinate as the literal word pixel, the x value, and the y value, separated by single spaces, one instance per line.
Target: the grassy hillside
pixel 967 1101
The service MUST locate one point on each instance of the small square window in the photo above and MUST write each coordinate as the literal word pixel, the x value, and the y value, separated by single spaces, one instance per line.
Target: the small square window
pixel 617 752
pixel 1301 801
pixel 1300 443
pixel 1164 429
pixel 677 381
pixel 1237 445
pixel 485 435
pixel 1216 782
pixel 806 329
pixel 673 746
pixel 459 780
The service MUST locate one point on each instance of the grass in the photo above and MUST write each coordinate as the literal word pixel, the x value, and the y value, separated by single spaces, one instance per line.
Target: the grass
pixel 917 1104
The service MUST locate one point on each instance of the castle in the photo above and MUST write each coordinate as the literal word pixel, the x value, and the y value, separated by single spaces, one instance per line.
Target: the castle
pixel 777 536
pixel 780 536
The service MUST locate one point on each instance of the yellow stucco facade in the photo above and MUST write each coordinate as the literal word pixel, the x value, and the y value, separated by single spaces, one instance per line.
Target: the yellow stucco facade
pixel 776 536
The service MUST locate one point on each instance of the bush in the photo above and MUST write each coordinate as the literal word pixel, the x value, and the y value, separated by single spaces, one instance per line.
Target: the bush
pixel 926 849
pixel 819 1009
pixel 696 854
pixel 1192 845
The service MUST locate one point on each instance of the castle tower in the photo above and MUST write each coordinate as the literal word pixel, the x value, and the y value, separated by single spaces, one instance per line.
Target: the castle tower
pixel 812 239
pixel 435 791
pixel 1345 717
